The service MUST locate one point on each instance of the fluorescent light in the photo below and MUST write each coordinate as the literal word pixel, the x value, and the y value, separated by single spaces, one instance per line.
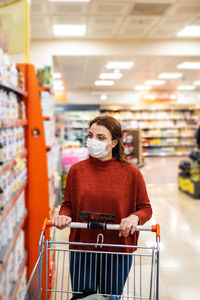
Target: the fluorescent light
pixel 57 75
pixel 185 87
pixel 59 88
pixel 170 75
pixel 190 65
pixel 69 30
pixel 119 64
pixel 154 82
pixel 143 87
pixel 58 82
pixel 110 75
pixel 189 31
pixel 196 82
pixel 69 1
pixel 104 82
pixel 104 97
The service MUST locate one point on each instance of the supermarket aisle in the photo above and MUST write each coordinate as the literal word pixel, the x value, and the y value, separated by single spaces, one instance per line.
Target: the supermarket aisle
pixel 178 215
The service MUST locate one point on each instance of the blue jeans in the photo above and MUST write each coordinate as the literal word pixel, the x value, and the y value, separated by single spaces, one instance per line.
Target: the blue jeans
pixel 106 273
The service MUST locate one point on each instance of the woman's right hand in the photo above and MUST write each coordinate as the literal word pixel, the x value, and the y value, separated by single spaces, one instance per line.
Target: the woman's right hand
pixel 61 221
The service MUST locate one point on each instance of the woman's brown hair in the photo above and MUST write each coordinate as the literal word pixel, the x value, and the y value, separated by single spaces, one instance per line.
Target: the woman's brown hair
pixel 116 131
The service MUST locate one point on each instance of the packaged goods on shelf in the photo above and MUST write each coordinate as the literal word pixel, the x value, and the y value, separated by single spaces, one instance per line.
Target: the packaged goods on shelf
pixel 71 156
pixel 49 129
pixel 13 142
pixel 9 73
pixel 12 180
pixel 12 271
pixel 158 126
pixel 72 125
pixel 14 216
pixel 47 104
pixel 44 76
pixel 22 286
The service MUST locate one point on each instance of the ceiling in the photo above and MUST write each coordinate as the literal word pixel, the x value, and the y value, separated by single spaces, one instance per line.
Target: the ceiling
pixel 118 20
pixel 80 73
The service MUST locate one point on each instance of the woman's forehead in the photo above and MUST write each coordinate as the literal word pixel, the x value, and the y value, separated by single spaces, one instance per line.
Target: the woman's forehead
pixel 99 129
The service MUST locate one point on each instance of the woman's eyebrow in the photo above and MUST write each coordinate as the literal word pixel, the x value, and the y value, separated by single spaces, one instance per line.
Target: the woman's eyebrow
pixel 101 134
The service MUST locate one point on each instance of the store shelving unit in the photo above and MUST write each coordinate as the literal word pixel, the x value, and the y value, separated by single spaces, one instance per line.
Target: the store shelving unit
pixel 38 197
pixel 73 125
pixel 7 165
pixel 11 88
pixel 165 131
pixel 133 146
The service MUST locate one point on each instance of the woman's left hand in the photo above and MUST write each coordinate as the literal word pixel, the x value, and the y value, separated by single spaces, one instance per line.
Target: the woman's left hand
pixel 128 225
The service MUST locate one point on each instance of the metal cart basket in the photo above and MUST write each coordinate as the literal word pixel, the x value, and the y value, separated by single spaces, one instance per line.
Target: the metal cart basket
pixel 97 273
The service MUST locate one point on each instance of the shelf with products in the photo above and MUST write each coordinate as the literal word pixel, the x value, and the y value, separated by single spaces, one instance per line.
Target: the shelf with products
pixel 8 247
pixel 13 168
pixel 165 154
pixel 8 87
pixel 12 123
pixel 11 203
pixel 166 145
pixel 8 164
pixel 16 293
pixel 133 146
pixel 167 137
pixel 159 125
pixel 72 124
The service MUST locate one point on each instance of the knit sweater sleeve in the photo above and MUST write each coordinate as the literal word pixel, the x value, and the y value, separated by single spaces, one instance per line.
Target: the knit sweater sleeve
pixel 65 208
pixel 143 206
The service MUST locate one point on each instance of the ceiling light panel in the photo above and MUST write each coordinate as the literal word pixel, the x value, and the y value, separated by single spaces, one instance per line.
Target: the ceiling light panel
pixel 185 87
pixel 189 31
pixel 196 82
pixel 170 75
pixel 189 65
pixel 59 88
pixel 119 65
pixel 110 75
pixel 57 75
pixel 143 87
pixel 104 82
pixel 69 30
pixel 154 82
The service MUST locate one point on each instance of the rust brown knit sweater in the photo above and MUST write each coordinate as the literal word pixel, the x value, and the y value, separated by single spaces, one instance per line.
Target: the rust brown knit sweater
pixel 111 187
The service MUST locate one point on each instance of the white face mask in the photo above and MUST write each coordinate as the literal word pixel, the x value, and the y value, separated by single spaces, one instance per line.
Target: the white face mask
pixel 96 148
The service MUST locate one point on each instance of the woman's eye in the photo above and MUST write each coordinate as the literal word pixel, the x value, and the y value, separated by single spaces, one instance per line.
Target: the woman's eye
pixel 101 138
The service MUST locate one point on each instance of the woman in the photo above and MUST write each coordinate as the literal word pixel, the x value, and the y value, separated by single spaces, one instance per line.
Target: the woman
pixel 105 183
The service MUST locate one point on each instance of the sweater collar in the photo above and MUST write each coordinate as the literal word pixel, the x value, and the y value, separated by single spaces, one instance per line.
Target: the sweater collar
pixel 104 163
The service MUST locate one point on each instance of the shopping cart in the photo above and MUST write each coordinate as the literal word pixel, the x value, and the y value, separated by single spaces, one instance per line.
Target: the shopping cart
pixel 67 273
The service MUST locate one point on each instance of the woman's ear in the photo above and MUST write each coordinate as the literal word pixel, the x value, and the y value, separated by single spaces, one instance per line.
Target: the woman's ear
pixel 114 143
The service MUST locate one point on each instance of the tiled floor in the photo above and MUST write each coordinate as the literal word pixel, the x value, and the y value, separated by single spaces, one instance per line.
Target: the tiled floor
pixel 179 217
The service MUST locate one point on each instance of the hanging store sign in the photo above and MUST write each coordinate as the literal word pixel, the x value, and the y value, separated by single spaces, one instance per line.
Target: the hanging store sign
pixel 12 26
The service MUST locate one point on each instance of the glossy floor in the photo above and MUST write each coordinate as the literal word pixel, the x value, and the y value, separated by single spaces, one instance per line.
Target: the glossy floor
pixel 179 217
